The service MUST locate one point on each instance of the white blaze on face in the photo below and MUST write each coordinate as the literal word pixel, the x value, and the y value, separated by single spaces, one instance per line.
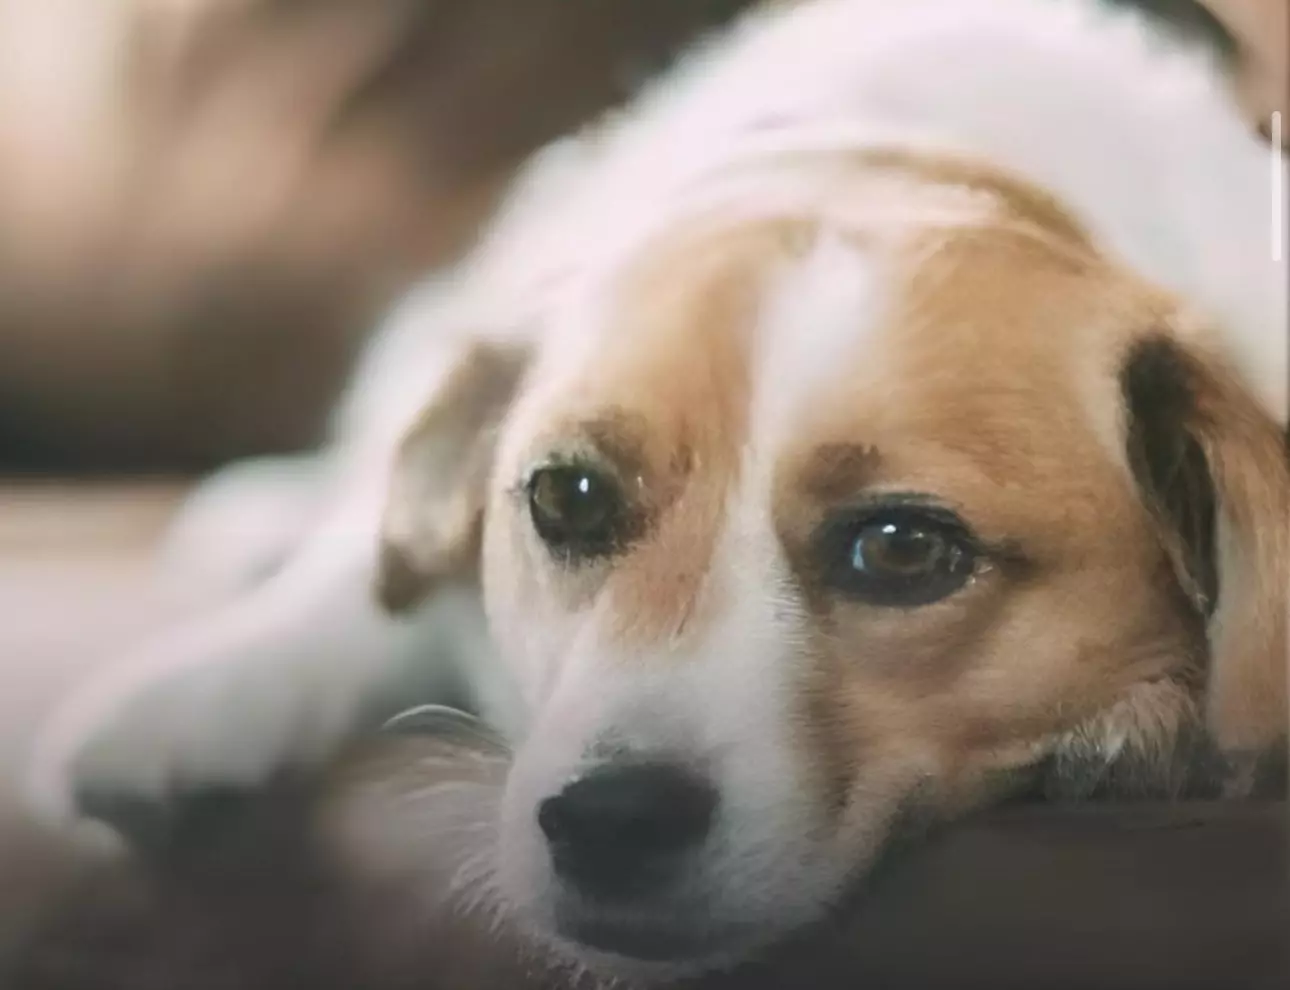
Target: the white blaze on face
pixel 821 321
pixel 817 318
pixel 725 695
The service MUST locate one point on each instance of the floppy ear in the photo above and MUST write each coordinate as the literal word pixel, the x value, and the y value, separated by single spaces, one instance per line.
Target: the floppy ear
pixel 434 510
pixel 1213 467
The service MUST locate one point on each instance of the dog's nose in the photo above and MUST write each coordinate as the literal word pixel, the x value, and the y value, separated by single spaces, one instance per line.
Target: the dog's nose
pixel 622 830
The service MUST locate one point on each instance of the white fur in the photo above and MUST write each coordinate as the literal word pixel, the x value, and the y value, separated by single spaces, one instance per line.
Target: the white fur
pixel 821 313
pixel 1141 142
pixel 669 705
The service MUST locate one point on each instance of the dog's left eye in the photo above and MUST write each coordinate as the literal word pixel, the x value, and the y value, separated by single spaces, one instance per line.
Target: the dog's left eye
pixel 577 511
pixel 900 557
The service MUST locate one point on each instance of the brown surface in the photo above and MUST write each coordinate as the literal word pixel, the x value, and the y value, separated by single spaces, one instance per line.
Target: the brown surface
pixel 1148 898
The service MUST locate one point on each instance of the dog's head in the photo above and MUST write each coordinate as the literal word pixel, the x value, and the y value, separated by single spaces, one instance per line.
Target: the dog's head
pixel 802 524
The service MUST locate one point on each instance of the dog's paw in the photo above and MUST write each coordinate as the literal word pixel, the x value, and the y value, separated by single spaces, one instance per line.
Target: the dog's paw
pixel 136 740
pixel 242 524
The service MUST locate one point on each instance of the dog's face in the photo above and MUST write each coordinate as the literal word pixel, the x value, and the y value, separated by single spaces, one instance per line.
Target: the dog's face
pixel 797 528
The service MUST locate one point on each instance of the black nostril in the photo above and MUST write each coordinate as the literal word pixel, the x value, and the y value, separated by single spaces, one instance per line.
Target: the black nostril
pixel 650 806
pixel 621 828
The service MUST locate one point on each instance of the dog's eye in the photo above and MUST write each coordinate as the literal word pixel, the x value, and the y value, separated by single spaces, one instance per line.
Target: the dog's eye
pixel 901 558
pixel 577 511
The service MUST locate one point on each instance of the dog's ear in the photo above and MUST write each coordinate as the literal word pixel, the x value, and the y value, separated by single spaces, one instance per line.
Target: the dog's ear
pixel 434 510
pixel 1212 465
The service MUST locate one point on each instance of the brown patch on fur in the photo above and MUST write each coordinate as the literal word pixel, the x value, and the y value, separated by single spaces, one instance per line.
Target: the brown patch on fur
pixel 1022 200
pixel 978 400
pixel 981 407
pixel 676 363
pixel 921 175
pixel 837 471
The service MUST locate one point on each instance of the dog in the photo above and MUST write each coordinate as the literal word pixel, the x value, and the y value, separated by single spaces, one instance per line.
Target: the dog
pixel 885 414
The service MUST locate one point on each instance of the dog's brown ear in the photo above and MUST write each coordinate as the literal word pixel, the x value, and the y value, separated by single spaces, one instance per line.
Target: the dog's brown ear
pixel 434 511
pixel 1212 465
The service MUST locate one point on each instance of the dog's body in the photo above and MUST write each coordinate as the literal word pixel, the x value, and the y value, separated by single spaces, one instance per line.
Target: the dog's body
pixel 998 271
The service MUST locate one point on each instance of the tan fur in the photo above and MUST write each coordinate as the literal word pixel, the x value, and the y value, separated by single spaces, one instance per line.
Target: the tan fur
pixel 674 378
pixel 978 407
pixel 1019 199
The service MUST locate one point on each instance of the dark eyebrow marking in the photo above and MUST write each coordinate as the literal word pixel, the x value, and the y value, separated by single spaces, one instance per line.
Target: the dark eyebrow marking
pixel 618 439
pixel 615 436
pixel 836 471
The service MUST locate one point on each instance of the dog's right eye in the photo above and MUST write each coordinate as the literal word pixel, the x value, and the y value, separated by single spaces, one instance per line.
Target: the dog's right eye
pixel 577 511
pixel 898 555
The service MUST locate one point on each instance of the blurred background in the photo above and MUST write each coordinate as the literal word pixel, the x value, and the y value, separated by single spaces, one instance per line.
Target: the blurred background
pixel 205 203
pixel 204 206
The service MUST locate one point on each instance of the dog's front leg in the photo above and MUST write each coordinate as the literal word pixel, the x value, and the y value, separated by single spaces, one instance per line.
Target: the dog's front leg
pixel 275 678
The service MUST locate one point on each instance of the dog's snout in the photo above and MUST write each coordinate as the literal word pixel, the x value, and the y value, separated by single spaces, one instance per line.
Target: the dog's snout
pixel 621 830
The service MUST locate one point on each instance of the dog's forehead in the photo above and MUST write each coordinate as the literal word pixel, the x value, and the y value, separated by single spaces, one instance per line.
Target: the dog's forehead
pixel 975 340
pixel 979 370
pixel 777 332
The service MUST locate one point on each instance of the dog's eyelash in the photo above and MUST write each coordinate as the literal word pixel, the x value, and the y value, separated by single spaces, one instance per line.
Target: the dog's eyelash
pixel 520 488
pixel 1005 554
pixel 568 458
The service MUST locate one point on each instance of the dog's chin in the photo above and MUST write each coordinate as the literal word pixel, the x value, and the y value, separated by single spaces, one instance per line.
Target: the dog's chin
pixel 647 948
pixel 647 953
